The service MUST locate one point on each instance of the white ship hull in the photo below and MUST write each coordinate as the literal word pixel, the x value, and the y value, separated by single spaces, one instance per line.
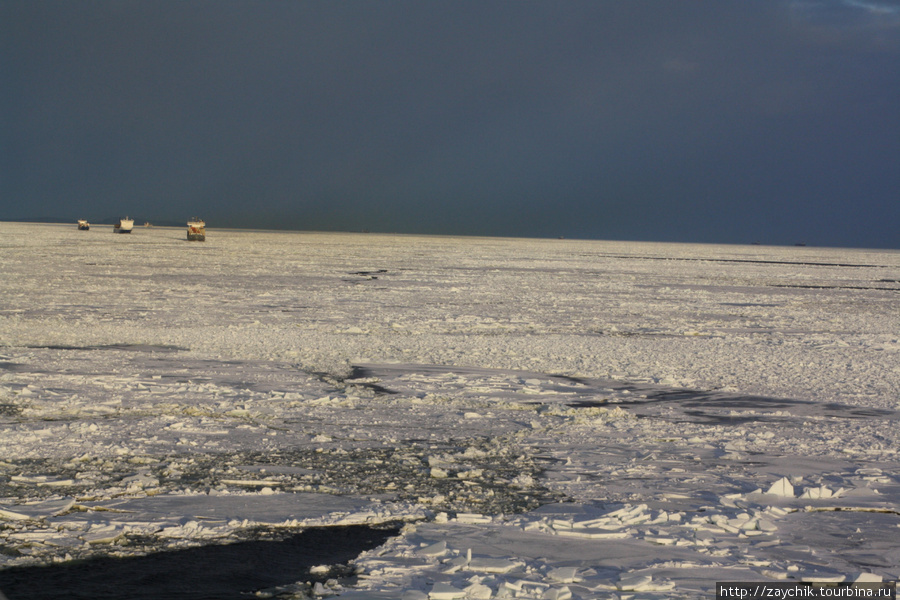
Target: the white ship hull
pixel 124 225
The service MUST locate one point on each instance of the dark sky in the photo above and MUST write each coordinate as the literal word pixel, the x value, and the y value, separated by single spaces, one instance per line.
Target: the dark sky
pixel 702 121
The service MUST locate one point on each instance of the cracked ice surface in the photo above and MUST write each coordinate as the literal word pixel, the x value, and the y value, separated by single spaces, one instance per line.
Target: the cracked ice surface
pixel 551 418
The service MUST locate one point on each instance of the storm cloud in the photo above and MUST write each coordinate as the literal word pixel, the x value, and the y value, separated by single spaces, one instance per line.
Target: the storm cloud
pixel 712 121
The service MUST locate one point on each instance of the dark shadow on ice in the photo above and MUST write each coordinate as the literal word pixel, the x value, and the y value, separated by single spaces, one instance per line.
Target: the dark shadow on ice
pixel 219 572
pixel 677 405
pixel 752 261
pixel 127 347
pixel 719 408
pixel 360 373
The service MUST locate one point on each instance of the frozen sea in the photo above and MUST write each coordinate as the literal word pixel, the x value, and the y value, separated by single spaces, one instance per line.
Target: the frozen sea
pixel 538 419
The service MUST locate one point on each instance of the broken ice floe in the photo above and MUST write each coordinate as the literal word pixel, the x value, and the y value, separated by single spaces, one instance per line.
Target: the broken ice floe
pixel 507 557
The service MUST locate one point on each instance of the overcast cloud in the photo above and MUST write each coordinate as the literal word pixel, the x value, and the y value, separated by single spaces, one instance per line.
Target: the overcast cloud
pixel 711 121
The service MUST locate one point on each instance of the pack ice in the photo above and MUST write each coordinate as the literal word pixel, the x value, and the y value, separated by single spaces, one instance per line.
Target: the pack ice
pixel 550 419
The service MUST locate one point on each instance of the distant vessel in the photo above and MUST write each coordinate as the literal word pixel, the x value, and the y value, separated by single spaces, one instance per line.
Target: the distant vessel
pixel 124 225
pixel 83 225
pixel 196 230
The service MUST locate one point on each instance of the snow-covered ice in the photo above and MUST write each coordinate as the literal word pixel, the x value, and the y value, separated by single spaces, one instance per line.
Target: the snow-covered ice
pixel 550 418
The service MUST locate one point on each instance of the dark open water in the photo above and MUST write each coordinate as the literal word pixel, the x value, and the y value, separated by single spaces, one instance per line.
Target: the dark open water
pixel 223 572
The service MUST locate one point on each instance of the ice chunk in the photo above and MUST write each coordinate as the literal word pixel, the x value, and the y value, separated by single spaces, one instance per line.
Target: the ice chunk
pixel 493 565
pixel 590 533
pixel 522 481
pixel 766 525
pixel 10 515
pixel 820 492
pixel 139 482
pixel 102 534
pixel 782 488
pixel 444 591
pixel 635 583
pixel 823 578
pixel 562 593
pixel 435 549
pixel 775 574
pixel 601 523
pixel 37 510
pixel 42 480
pixel 320 590
pixel 455 564
pixel 661 541
pixel 472 518
pixel 478 591
pixel 563 574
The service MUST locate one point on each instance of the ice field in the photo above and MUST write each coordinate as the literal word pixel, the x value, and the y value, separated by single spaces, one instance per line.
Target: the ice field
pixel 543 419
